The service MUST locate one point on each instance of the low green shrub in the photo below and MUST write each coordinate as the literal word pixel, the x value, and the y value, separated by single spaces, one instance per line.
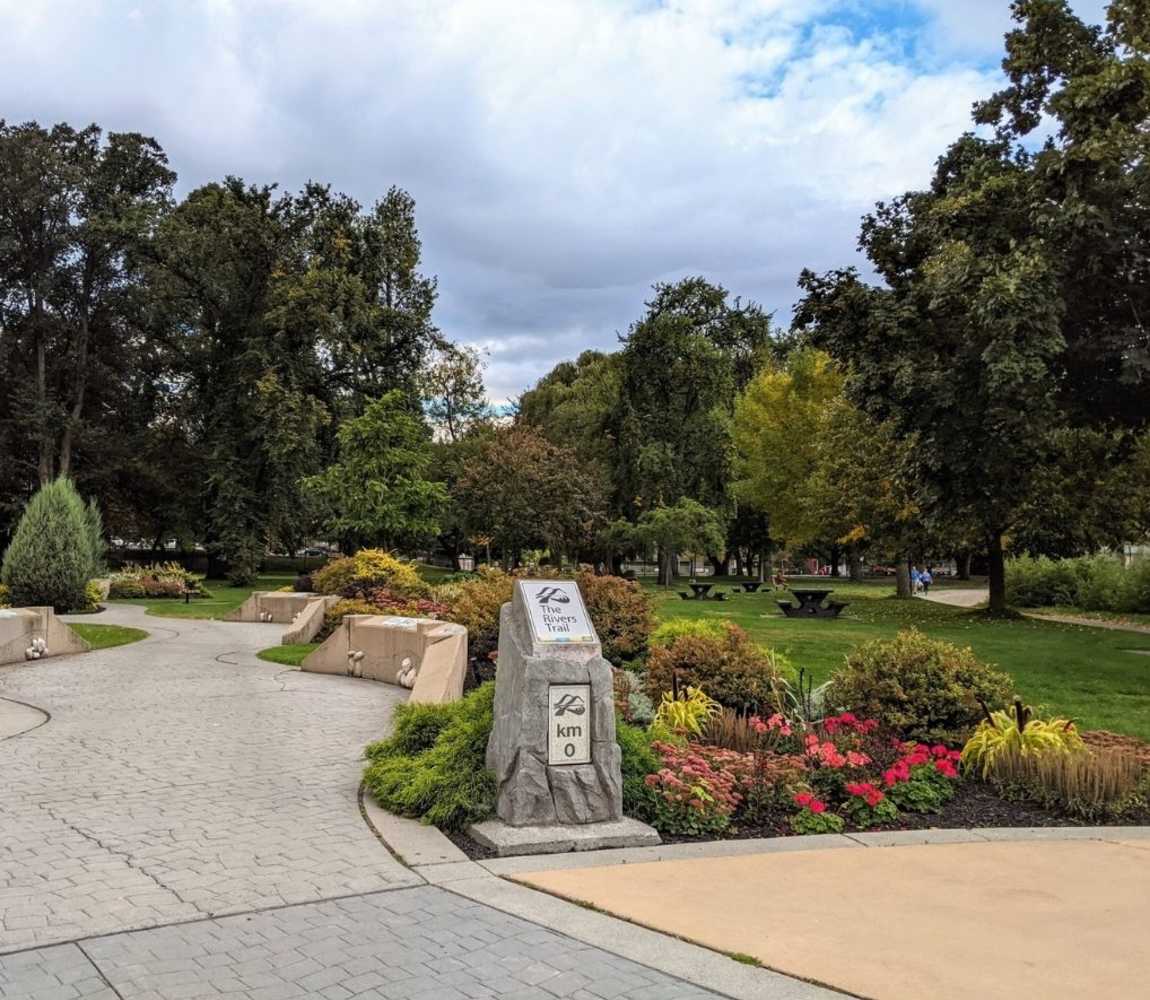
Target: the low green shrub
pixel 434 766
pixel 5 596
pixel 1093 583
pixel 920 688
pixel 93 594
pixel 732 669
pixel 638 760
pixel 335 615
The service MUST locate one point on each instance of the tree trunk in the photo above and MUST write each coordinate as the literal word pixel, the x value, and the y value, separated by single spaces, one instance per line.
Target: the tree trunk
pixel 836 555
pixel 764 564
pixel 963 562
pixel 855 562
pixel 718 566
pixel 739 560
pixel 902 578
pixel 666 567
pixel 996 572
pixel 79 377
pixel 45 435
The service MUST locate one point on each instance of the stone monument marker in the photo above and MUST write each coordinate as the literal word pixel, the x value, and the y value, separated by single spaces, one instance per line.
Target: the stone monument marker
pixel 552 747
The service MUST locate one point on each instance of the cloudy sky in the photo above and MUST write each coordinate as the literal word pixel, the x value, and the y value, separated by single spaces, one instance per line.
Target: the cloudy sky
pixel 563 154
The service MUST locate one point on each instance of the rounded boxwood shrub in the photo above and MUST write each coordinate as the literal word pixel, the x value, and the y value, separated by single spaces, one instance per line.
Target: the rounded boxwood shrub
pixel 621 612
pixel 923 689
pixel 367 570
pixel 50 559
pixel 475 605
pixel 736 672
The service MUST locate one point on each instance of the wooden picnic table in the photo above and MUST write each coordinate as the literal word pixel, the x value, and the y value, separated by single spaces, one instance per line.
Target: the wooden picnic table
pixel 700 589
pixel 811 605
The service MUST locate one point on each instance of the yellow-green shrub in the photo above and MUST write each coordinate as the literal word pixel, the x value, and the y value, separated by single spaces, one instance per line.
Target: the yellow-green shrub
pixel 5 596
pixel 1017 733
pixel 368 570
pixel 686 714
pixel 668 631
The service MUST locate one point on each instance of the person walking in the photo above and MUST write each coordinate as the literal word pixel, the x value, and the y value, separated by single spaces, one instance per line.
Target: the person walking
pixel 915 580
pixel 926 579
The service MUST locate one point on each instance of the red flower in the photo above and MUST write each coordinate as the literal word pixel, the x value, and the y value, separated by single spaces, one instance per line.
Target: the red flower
pixel 818 806
pixel 804 799
pixel 945 768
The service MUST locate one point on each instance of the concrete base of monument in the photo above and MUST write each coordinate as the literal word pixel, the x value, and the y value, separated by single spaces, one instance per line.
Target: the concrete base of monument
pixel 507 841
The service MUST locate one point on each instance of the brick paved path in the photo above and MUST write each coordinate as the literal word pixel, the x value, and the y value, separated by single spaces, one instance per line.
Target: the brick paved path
pixel 181 780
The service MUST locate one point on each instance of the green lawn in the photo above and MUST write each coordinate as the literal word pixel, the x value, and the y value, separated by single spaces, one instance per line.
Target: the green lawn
pixel 224 599
pixel 1086 673
pixel 291 655
pixel 106 636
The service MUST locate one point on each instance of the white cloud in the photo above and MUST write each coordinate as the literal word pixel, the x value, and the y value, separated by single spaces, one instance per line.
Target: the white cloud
pixel 564 154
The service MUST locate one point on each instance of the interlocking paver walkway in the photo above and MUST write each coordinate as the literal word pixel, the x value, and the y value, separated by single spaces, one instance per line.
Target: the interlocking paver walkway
pixel 409 944
pixel 172 784
pixel 187 825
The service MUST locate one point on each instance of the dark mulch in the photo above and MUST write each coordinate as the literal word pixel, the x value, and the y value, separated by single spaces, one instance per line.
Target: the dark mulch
pixel 476 852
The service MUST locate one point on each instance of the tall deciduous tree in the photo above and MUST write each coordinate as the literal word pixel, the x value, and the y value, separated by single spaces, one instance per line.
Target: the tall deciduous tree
pixel 74 210
pixel 379 491
pixel 683 526
pixel 1016 286
pixel 525 492
pixel 780 421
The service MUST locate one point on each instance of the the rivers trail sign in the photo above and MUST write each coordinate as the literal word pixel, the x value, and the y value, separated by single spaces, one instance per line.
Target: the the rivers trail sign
pixel 552 747
pixel 557 612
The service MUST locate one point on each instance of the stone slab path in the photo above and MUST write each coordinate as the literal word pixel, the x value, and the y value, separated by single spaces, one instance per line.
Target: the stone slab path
pixel 186 824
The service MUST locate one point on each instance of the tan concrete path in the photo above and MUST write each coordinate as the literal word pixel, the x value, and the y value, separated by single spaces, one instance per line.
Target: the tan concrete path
pixel 959 597
pixel 973 597
pixel 1055 918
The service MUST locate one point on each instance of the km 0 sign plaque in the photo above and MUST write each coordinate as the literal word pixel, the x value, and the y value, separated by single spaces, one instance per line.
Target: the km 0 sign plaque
pixel 569 724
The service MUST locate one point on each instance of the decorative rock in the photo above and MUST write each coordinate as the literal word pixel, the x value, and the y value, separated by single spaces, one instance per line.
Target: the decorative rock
pixel 554 702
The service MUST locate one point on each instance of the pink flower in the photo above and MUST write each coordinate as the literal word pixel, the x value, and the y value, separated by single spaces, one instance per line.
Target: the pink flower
pixel 817 806
pixel 804 799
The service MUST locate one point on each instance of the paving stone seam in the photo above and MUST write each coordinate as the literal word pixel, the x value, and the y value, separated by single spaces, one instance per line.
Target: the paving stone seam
pixel 35 708
pixel 99 972
pixel 125 856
